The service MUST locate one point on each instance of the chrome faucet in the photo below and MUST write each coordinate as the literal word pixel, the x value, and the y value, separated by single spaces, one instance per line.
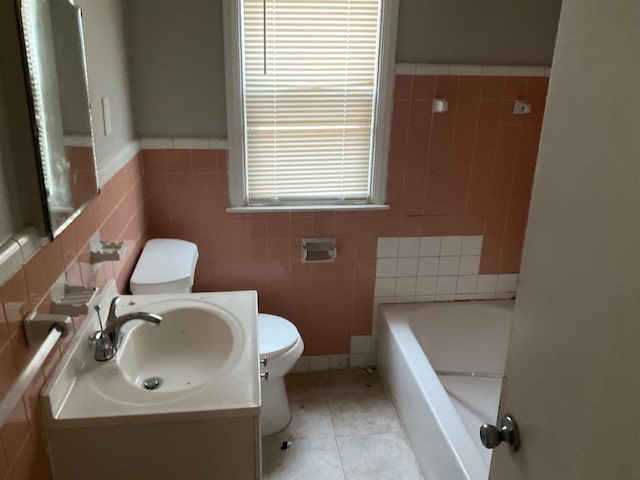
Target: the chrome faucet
pixel 108 339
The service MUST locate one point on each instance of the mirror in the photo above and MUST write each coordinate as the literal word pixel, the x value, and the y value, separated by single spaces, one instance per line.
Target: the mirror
pixel 54 58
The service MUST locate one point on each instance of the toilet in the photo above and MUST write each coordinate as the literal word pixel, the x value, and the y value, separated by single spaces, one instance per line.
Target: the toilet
pixel 281 346
pixel 168 266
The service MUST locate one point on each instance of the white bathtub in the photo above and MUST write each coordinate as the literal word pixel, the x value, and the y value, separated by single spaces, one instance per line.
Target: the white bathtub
pixel 426 355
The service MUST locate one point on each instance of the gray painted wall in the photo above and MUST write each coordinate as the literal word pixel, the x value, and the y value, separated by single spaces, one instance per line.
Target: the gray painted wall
pixel 70 66
pixel 512 32
pixel 108 76
pixel 176 62
pixel 176 56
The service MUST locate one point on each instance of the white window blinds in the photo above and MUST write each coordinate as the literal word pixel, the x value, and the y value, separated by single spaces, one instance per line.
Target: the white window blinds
pixel 310 78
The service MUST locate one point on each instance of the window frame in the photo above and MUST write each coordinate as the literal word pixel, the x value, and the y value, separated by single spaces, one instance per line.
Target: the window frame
pixel 383 108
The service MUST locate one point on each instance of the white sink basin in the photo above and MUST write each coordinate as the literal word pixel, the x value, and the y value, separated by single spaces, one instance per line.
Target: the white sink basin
pixel 189 347
pixel 201 361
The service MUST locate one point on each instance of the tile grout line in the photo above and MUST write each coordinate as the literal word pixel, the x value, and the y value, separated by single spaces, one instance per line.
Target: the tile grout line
pixel 333 427
pixel 400 431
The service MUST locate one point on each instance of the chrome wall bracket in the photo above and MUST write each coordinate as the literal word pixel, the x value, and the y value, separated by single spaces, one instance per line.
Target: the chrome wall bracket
pixel 38 325
pixel 107 252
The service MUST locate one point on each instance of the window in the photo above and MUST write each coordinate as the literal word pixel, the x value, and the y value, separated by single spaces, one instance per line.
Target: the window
pixel 309 98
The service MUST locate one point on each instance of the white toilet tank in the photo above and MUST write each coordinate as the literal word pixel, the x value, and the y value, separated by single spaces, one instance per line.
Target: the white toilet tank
pixel 166 266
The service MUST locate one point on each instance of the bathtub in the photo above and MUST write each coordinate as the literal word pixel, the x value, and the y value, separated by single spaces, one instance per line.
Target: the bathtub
pixel 442 364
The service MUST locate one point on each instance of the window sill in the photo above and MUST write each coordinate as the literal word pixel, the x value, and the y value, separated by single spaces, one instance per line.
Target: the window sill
pixel 304 208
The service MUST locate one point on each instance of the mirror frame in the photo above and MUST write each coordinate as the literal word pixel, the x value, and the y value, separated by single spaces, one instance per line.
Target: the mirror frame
pixel 38 128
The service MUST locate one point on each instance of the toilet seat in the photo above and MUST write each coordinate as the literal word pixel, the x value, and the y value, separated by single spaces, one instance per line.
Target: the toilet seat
pixel 277 335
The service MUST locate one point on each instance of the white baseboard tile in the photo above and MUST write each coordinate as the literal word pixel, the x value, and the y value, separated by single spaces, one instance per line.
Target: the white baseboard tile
pixel 465 296
pixel 339 361
pixel 485 296
pixel 319 363
pixel 361 359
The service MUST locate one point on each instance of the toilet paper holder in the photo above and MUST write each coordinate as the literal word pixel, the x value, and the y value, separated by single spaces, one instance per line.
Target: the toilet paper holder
pixel 318 250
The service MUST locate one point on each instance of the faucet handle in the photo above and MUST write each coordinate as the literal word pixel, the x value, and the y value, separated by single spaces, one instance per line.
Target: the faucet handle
pixel 105 350
pixel 98 336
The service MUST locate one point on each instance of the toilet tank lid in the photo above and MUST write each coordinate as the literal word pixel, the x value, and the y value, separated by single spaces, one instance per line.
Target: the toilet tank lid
pixel 277 334
pixel 166 260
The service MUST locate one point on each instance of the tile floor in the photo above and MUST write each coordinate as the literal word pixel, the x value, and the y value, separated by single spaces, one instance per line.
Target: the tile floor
pixel 343 427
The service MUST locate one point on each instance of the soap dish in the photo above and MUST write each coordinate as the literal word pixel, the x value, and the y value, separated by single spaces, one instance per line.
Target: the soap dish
pixel 107 252
pixel 74 301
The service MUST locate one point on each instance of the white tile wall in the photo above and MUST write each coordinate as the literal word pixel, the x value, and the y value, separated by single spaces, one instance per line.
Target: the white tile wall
pixel 469 264
pixel 430 246
pixel 426 285
pixel 388 247
pixel 411 269
pixel 408 247
pixel 449 265
pixel 471 245
pixel 451 246
pixel 487 283
pixel 428 266
pixel 407 267
pixel 386 267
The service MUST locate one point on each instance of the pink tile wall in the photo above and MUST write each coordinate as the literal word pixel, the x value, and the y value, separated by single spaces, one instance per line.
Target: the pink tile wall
pixel 466 172
pixel 469 170
pixel 118 214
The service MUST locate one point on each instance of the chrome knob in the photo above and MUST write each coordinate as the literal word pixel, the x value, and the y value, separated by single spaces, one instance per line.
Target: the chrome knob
pixel 263 361
pixel 265 375
pixel 492 436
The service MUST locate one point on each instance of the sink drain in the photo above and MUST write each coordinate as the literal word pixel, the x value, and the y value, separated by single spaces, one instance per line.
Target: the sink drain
pixel 152 383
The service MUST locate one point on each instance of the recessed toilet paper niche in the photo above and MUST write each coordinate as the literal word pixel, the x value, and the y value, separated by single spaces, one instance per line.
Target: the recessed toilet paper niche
pixel 318 250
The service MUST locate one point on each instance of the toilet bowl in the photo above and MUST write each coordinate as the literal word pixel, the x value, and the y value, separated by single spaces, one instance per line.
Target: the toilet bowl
pixel 168 266
pixel 281 345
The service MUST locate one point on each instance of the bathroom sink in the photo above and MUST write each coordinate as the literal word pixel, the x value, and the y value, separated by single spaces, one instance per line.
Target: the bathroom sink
pixel 180 399
pixel 201 361
pixel 190 346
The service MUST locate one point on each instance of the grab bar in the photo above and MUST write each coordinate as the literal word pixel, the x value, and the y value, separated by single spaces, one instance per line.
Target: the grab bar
pixel 456 373
pixel 24 380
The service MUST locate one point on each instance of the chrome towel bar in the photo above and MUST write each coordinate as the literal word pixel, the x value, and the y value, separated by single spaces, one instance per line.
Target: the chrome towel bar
pixel 20 386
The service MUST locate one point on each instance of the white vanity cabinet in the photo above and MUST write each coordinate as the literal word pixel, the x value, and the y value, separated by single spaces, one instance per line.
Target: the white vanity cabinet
pixel 180 400
pixel 205 449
